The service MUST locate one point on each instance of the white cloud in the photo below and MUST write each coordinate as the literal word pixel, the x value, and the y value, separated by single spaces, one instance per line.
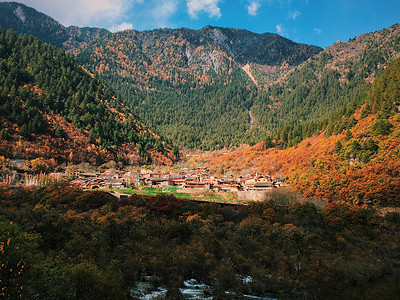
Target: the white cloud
pixel 318 30
pixel 163 11
pixel 83 12
pixel 121 27
pixel 207 6
pixel 294 15
pixel 253 7
pixel 281 30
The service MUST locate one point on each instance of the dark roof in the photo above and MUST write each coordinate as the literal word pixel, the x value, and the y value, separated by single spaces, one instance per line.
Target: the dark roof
pixel 264 184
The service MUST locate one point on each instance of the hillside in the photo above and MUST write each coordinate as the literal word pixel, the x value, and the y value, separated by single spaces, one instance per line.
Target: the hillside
pixel 53 108
pixel 209 88
pixel 360 163
pixel 302 101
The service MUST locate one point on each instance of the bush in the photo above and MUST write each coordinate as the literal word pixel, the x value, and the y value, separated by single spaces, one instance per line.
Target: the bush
pixel 92 200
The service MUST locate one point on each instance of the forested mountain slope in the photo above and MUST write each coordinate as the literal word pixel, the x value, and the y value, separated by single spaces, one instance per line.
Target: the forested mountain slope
pixel 360 163
pixel 189 84
pixel 300 103
pixel 51 107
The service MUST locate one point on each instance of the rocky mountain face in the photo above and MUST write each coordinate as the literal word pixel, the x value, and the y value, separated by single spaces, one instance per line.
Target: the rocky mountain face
pixel 195 52
pixel 202 49
pixel 249 47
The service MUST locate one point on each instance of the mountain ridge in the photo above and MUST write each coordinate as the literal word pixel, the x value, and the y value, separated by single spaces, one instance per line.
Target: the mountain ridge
pixel 24 19
pixel 14 14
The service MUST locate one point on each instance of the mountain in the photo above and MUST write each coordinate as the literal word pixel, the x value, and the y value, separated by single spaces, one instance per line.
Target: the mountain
pixel 191 85
pixel 242 45
pixel 220 87
pixel 24 19
pixel 173 55
pixel 53 108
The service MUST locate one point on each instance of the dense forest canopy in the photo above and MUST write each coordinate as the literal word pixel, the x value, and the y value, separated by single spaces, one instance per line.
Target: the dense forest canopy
pixel 62 243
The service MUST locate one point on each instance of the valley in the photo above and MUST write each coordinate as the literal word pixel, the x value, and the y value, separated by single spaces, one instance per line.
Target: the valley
pixel 209 163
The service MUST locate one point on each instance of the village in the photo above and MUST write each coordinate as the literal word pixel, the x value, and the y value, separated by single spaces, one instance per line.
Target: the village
pixel 113 179
pixel 185 179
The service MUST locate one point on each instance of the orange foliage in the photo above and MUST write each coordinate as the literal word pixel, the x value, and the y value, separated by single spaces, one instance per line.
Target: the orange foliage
pixel 314 169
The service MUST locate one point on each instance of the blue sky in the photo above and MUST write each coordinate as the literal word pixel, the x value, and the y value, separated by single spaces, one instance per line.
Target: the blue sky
pixel 321 22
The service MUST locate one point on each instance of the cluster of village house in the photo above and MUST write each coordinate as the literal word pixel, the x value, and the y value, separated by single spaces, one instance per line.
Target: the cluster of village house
pixel 186 179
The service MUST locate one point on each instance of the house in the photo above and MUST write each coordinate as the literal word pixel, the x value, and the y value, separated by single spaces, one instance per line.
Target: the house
pixel 227 187
pixel 153 174
pixel 191 179
pixel 88 175
pixel 131 177
pixel 263 185
pixel 198 185
pixel 249 184
pixel 264 178
pixel 145 171
pixel 113 183
pixel 19 163
pixel 178 180
pixel 157 182
pixel 72 172
pixel 111 173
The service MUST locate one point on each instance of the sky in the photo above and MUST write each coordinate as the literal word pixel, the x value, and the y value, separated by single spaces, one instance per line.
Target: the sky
pixel 316 22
